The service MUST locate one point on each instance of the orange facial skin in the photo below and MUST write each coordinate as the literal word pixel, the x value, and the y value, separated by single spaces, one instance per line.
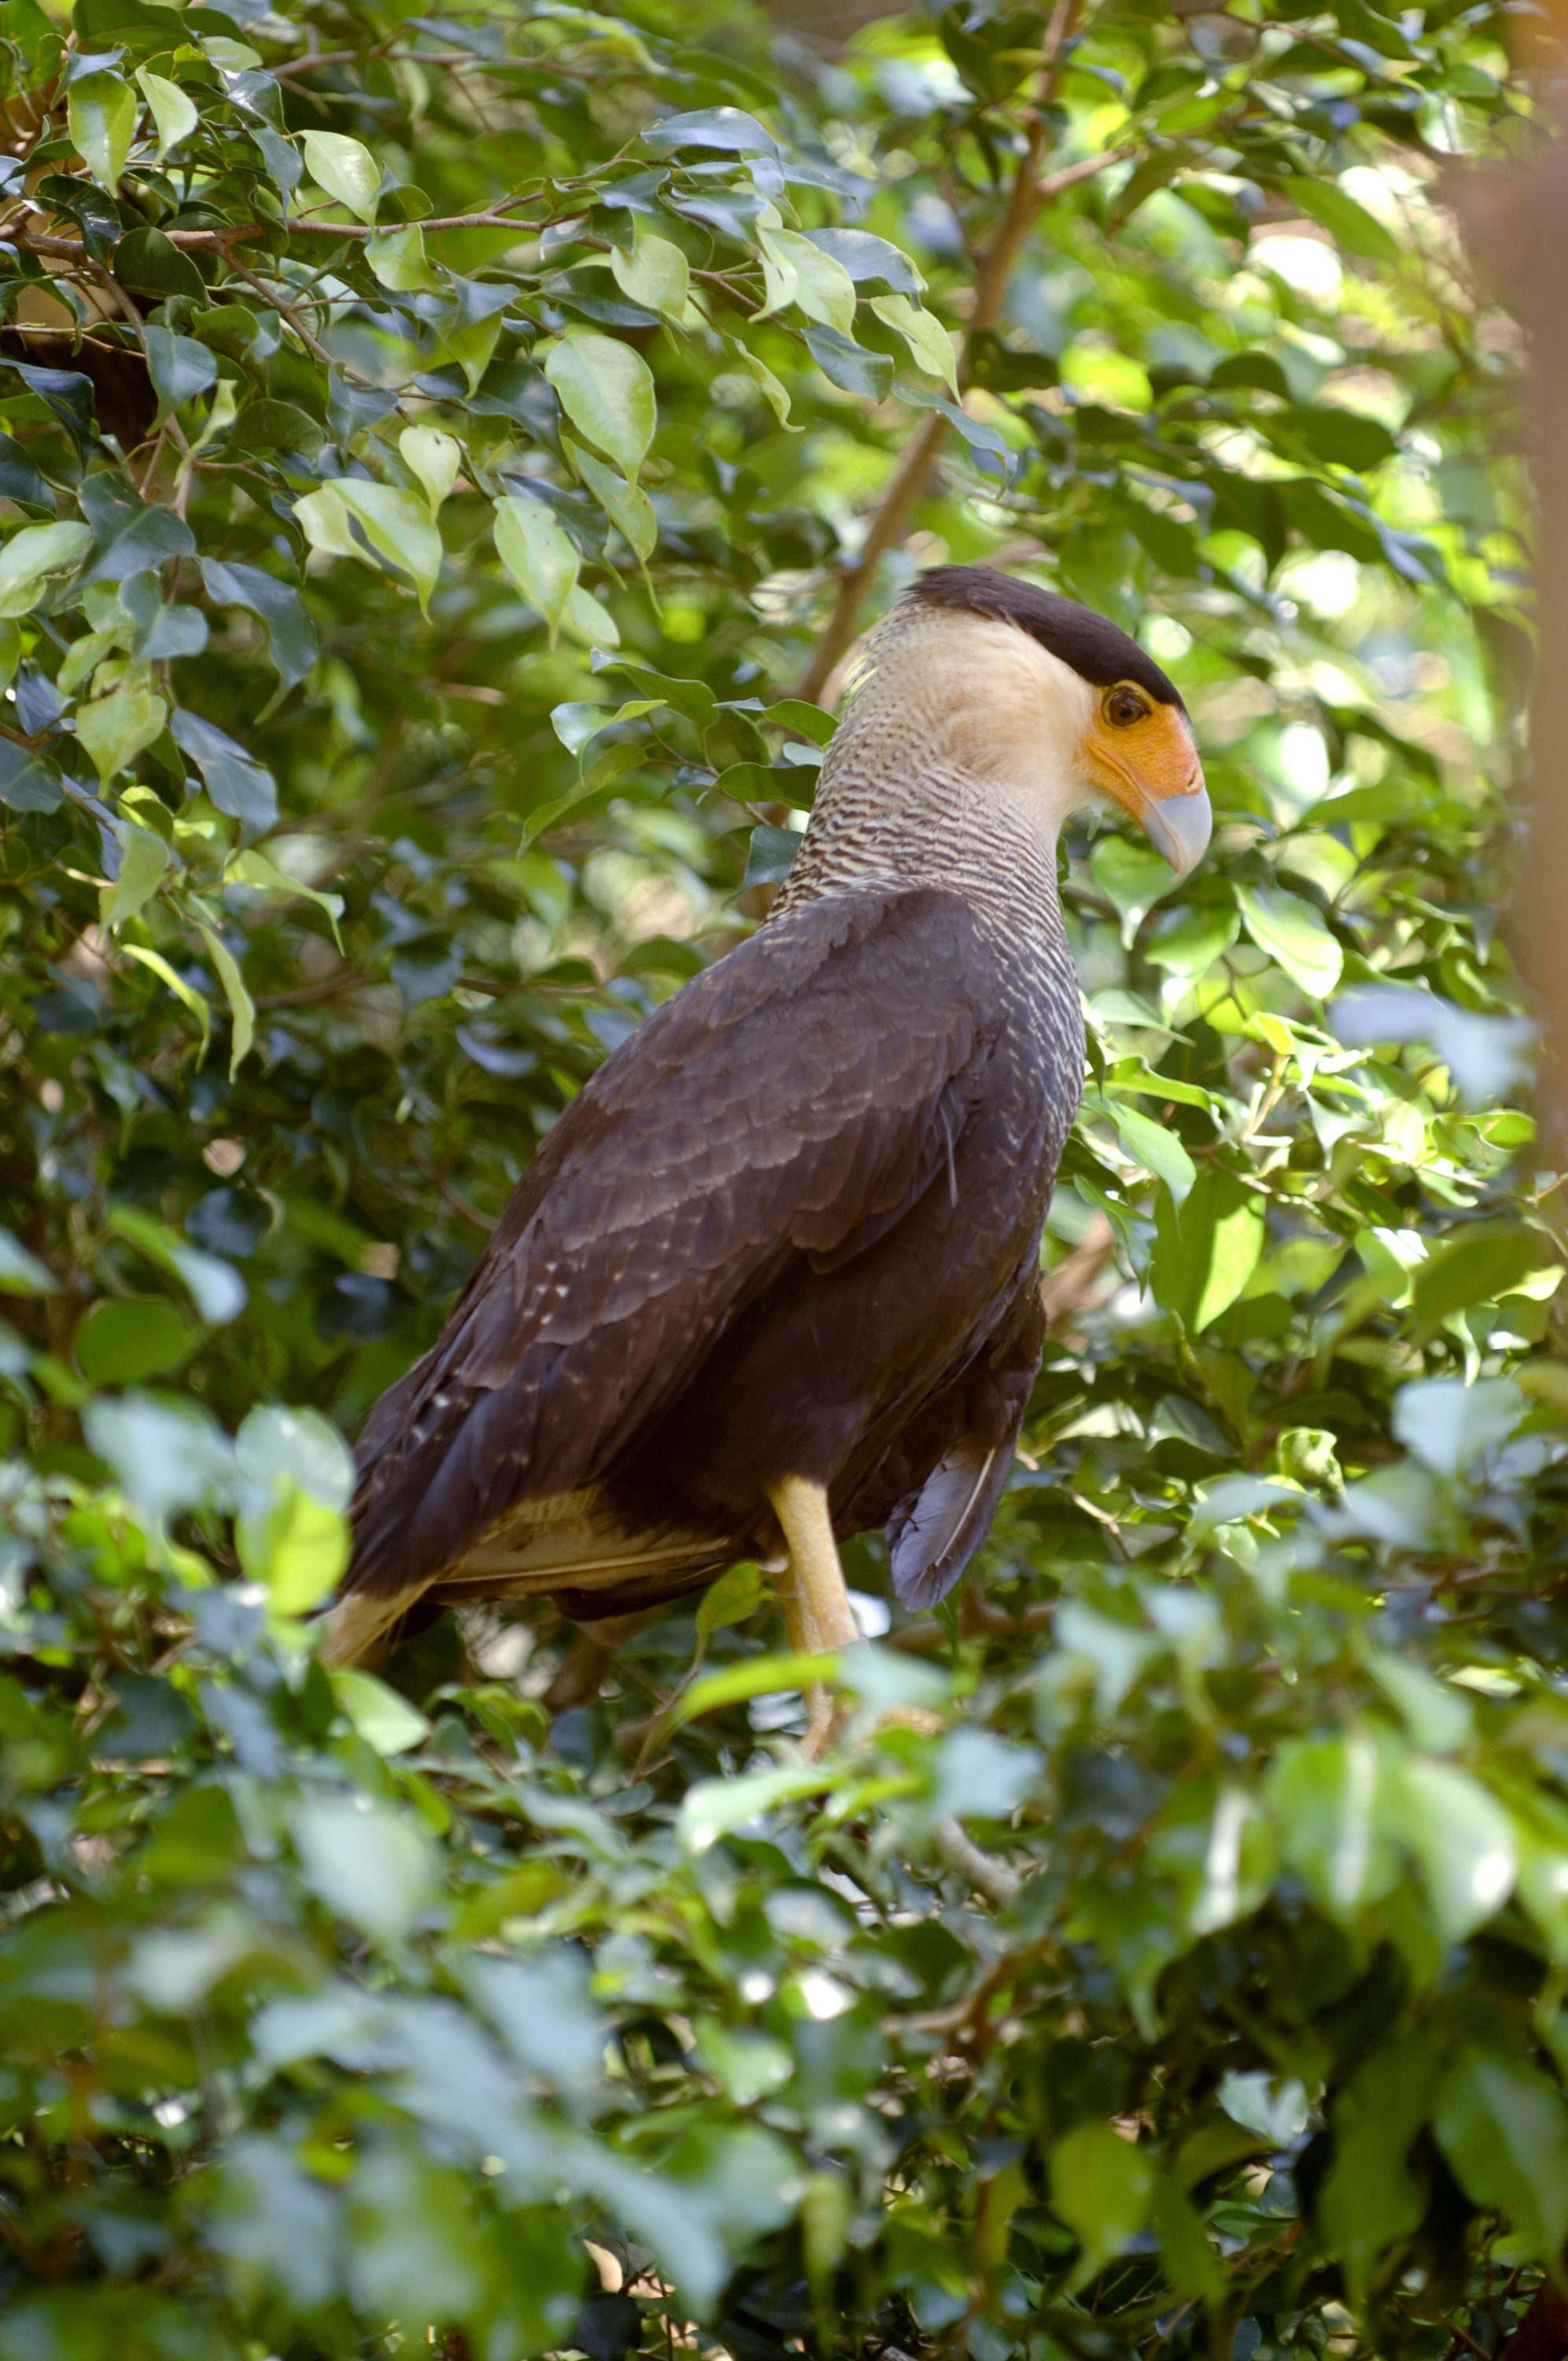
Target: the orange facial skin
pixel 1142 754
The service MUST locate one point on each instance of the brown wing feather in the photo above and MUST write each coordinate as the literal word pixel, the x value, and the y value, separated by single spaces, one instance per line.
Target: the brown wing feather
pixel 955 1461
pixel 801 1092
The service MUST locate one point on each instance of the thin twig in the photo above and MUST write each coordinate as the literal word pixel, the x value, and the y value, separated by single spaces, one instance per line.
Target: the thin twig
pixel 310 342
pixel 985 1873
pixel 346 979
pixel 458 1202
pixel 72 249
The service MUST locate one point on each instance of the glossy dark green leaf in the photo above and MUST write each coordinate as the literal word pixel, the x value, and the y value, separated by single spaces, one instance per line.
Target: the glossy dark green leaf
pixel 245 789
pixel 150 263
pixel 847 365
pixel 290 636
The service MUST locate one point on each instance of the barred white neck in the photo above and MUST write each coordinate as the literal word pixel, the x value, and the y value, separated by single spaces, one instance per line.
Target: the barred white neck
pixel 955 766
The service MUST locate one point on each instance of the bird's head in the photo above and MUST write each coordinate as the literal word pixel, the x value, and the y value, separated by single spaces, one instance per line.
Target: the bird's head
pixel 1049 695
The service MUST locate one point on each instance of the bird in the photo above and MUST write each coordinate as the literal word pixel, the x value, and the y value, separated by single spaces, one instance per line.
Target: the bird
pixel 772 1279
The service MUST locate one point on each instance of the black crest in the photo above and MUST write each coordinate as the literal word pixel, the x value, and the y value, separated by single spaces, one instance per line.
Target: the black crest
pixel 1095 649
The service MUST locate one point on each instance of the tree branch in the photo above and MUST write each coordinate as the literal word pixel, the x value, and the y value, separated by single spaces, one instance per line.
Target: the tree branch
pixel 1029 193
pixel 984 1874
pixel 71 250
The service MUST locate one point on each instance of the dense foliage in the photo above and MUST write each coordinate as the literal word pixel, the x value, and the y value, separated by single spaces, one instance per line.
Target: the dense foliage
pixel 431 448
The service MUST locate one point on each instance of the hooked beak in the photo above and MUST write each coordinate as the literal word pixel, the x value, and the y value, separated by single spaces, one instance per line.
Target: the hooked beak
pixel 1151 767
pixel 1178 828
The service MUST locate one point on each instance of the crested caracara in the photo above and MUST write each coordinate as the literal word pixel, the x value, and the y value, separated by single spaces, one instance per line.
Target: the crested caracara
pixel 773 1277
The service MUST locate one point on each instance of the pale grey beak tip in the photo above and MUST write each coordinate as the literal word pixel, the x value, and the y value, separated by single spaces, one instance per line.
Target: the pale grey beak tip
pixel 1179 827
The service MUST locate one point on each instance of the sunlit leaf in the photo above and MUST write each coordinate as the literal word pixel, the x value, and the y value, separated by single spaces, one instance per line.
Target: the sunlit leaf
pixel 173 113
pixel 345 169
pixel 538 555
pixel 103 114
pixel 607 391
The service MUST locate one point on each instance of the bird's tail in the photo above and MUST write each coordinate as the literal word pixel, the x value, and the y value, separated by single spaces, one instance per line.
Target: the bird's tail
pixel 353 1628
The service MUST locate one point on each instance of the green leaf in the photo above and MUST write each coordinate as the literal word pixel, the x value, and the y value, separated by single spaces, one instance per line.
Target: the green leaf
pixel 1103 2187
pixel 173 114
pixel 36 555
pixel 396 257
pixel 1504 2129
pixel 26 786
pixel 865 256
pixel 714 1807
pixel 375 1868
pixel 197 1002
pixel 381 1716
pixel 930 347
pixel 214 1286
pixel 849 366
pixel 102 111
pixel 115 729
pixel 655 274
pixel 238 786
pixel 1158 1149
pixel 1190 2262
pixel 290 636
pixel 1291 931
pixel 759 1678
pixel 796 271
pixel 736 1595
pixel 574 724
pixel 1194 939
pixel 180 368
pixel 625 504
pixel 118 1344
pixel 612 764
pixel 395 523
pixel 1370 2198
pixel 242 1008
pixel 301 1445
pixel 1347 222
pixel 805 721
pixel 472 326
pixel 144 857
pixel 607 390
pixel 294 1544
pixel 149 262
pixel 346 170
pixel 1480 1265
pixel 22 1273
pixel 1341 438
pixel 538 555
pixel 20 481
pixel 252 868
pixel 1324 1793
pixel 726 129
pixel 434 458
pixel 1132 876
pixel 774 391
pixel 586 620
pixel 771 855
pixel 1439 1717
pixel 1463 1838
pixel 1207 1249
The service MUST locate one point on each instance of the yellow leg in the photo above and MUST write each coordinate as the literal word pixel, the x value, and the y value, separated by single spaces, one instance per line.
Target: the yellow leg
pixel 816 1604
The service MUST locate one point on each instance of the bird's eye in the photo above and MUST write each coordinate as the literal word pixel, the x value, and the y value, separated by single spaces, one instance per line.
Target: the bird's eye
pixel 1124 706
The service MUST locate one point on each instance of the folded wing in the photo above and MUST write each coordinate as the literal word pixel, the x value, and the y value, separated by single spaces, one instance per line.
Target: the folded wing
pixel 794 1100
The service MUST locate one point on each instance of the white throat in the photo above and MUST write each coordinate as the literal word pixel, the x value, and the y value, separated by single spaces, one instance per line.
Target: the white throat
pixel 956 765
